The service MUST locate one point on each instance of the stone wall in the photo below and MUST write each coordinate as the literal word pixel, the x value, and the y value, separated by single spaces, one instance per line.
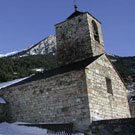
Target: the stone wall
pixel 97 47
pixel 102 104
pixel 75 39
pixel 4 113
pixel 61 98
pixel 113 127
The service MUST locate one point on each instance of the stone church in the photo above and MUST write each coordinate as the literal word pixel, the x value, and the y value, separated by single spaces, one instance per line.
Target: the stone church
pixel 85 86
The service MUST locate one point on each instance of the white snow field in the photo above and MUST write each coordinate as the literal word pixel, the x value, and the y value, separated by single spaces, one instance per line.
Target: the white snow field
pixel 16 129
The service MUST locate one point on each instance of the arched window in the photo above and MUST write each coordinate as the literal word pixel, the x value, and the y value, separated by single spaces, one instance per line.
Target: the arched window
pixel 95 31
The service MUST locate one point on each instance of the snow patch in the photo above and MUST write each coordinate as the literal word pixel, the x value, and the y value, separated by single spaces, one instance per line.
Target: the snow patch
pixel 38 69
pixel 6 84
pixel 1 55
pixel 16 129
pixel 2 101
pixel 8 54
pixel 96 118
pixel 112 55
pixel 113 60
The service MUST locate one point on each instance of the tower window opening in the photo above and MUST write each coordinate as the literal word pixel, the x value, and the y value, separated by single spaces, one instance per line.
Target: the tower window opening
pixel 109 85
pixel 95 31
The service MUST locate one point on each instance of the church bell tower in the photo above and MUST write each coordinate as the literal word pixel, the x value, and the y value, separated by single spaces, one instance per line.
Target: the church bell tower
pixel 78 37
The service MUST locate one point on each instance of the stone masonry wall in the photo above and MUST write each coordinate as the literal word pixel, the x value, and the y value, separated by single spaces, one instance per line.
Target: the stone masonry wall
pixel 97 47
pixel 102 104
pixel 4 113
pixel 61 98
pixel 113 127
pixel 73 40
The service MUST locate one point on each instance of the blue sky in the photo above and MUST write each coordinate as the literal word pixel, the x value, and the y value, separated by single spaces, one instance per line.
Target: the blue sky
pixel 26 22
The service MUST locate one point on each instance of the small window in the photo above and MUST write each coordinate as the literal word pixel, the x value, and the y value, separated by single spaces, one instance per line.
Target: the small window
pixel 95 31
pixel 109 85
pixel 79 20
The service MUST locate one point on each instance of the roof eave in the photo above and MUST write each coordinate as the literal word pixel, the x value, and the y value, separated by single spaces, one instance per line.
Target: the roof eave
pixel 78 15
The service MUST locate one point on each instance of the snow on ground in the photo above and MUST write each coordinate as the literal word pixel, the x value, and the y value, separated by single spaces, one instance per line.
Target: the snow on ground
pixel 6 84
pixel 16 129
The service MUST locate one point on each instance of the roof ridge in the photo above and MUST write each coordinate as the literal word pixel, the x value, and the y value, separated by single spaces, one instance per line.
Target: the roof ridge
pixel 74 14
pixel 59 70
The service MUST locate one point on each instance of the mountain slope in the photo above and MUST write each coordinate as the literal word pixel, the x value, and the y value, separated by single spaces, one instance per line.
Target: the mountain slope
pixel 45 46
pixel 125 66
pixel 8 54
pixel 19 67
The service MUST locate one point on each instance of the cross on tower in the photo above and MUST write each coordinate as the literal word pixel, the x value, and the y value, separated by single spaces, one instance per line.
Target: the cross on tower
pixel 75 6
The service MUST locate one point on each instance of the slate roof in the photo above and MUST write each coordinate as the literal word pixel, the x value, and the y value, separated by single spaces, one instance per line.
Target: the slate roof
pixel 76 13
pixel 60 70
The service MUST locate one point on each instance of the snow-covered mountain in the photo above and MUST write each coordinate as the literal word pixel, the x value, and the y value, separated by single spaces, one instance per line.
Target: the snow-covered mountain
pixel 45 46
pixel 8 54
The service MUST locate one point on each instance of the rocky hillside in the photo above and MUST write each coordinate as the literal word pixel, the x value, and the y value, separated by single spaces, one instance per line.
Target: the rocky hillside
pixel 45 46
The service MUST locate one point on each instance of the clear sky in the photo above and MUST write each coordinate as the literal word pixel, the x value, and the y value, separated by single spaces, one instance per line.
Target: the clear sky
pixel 26 22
